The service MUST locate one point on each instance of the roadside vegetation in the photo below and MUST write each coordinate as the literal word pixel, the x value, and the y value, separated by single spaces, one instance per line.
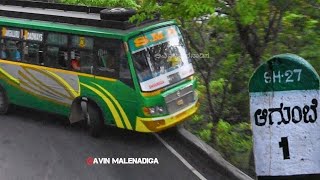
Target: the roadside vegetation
pixel 227 40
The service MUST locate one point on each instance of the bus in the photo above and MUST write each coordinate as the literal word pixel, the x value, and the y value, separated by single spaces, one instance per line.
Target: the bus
pixel 92 65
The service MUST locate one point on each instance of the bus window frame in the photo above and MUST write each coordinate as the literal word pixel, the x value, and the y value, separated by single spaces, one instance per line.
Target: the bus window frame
pixel 42 45
pixel 5 39
pixel 99 43
pixel 66 47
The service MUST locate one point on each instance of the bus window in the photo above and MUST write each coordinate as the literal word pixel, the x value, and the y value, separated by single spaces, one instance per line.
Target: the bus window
pixel 12 44
pixel 14 50
pixel 63 57
pixel 124 69
pixel 57 50
pixel 52 57
pixel 33 53
pixel 81 54
pixel 107 63
pixel 125 75
pixel 56 39
pixel 32 47
pixel 102 58
pixel 107 57
pixel 56 57
pixel 75 61
pixel 3 52
pixel 81 42
pixel 81 61
pixel 142 66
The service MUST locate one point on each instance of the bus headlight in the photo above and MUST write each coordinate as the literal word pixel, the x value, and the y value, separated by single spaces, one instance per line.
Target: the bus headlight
pixel 155 110
pixel 160 109
pixel 152 110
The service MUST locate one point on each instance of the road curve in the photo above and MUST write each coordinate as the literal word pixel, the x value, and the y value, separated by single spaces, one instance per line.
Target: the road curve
pixel 36 145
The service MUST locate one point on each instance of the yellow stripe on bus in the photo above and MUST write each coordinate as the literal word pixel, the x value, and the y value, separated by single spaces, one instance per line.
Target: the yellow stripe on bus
pixel 47 87
pixel 113 110
pixel 16 83
pixel 40 67
pixel 64 84
pixel 123 114
pixel 9 76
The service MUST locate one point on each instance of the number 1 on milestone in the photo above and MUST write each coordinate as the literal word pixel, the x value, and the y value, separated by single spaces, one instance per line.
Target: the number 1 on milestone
pixel 285 147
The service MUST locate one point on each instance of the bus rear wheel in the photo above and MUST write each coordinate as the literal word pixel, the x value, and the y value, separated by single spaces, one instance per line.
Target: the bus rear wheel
pixel 4 103
pixel 94 121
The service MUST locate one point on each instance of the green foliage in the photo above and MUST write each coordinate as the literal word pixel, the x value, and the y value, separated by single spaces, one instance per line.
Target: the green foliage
pixel 103 3
pixel 187 9
pixel 205 135
pixel 300 34
pixel 235 142
pixel 249 10
pixel 197 118
pixel 217 86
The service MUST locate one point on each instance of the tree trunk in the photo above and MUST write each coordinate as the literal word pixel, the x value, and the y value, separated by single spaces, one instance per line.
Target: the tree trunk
pixel 249 38
pixel 210 103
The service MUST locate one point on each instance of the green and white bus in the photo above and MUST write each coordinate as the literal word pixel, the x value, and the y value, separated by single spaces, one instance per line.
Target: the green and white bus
pixel 90 64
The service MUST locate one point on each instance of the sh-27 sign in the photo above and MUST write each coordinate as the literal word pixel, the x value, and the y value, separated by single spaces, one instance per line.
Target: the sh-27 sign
pixel 284 107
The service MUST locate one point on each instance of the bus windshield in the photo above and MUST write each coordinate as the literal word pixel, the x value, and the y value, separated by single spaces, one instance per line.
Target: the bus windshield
pixel 160 58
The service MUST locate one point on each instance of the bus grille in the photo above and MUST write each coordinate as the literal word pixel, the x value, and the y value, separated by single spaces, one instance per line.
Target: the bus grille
pixel 180 99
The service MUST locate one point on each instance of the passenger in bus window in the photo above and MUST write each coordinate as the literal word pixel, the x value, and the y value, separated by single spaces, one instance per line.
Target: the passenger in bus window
pixel 17 52
pixel 17 55
pixel 75 63
pixel 13 50
pixel 3 52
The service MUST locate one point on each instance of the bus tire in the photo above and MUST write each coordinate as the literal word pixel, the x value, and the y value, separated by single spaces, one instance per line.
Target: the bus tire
pixel 117 14
pixel 4 102
pixel 94 120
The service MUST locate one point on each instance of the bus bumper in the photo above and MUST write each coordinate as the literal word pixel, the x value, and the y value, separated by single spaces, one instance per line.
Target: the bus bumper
pixel 161 123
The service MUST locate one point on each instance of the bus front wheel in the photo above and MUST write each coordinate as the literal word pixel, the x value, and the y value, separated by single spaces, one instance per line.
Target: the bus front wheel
pixel 94 120
pixel 4 102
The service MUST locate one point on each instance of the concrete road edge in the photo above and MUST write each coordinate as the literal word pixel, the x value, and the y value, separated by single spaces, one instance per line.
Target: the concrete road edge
pixel 227 168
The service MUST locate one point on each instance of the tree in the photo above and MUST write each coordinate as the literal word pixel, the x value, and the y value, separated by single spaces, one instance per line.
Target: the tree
pixel 238 35
pixel 215 28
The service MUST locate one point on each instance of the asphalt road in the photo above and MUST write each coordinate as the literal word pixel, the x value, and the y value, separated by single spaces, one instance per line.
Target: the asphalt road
pixel 40 146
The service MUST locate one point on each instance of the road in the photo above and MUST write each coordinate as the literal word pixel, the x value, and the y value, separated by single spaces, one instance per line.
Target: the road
pixel 36 145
